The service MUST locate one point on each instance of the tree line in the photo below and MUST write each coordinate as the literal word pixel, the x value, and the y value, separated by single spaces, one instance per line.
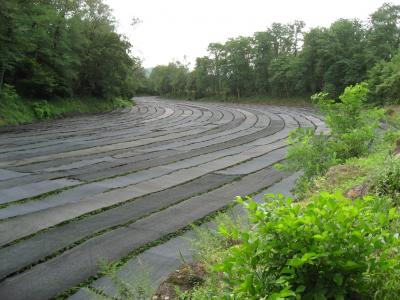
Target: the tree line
pixel 65 48
pixel 287 61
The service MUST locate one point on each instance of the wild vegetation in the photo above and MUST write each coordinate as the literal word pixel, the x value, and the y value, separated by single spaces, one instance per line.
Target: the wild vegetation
pixel 52 50
pixel 353 130
pixel 340 241
pixel 287 61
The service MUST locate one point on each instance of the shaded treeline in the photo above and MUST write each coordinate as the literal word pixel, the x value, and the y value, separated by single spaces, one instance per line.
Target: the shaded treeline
pixel 287 61
pixel 65 48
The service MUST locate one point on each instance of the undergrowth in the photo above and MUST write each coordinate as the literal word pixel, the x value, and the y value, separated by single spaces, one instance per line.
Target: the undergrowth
pixel 15 110
pixel 341 240
pixel 328 248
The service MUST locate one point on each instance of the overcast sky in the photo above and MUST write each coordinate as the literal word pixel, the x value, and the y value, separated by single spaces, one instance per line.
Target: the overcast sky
pixel 172 29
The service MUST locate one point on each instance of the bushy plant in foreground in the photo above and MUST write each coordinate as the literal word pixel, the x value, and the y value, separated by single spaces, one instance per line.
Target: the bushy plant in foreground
pixel 329 248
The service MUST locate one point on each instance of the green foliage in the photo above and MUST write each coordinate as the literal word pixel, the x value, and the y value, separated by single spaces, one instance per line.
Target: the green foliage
pixel 286 76
pixel 313 154
pixel 353 130
pixel 384 81
pixel 17 110
pixel 386 181
pixel 286 61
pixel 170 80
pixel 209 246
pixel 8 94
pixel 63 49
pixel 329 248
pixel 120 103
pixel 383 35
pixel 208 241
pixel 42 110
pixel 13 110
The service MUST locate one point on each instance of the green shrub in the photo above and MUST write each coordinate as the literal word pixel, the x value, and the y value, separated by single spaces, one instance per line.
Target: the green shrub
pixel 386 181
pixel 119 103
pixel 353 130
pixel 330 248
pixel 8 93
pixel 311 153
pixel 13 110
pixel 42 110
pixel 17 110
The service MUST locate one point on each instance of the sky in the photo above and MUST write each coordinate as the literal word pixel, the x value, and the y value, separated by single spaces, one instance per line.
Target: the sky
pixel 182 29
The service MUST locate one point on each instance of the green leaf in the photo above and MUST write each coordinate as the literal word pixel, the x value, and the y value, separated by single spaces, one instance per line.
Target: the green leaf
pixel 338 279
pixel 300 289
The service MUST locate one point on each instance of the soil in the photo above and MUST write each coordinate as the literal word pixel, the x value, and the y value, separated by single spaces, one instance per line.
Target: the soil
pixel 187 277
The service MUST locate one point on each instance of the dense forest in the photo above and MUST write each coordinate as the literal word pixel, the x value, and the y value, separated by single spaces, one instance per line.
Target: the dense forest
pixel 65 48
pixel 287 61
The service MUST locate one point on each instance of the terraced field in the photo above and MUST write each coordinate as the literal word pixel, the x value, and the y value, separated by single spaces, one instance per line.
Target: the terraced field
pixel 76 190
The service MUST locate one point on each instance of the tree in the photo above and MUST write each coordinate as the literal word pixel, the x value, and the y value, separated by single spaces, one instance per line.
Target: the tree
pixel 63 48
pixel 287 78
pixel 384 33
pixel 316 57
pixel 170 80
pixel 218 59
pixel 12 38
pixel 285 61
pixel 347 50
pixel 238 68
pixel 203 78
pixel 384 81
pixel 262 51
pixel 335 58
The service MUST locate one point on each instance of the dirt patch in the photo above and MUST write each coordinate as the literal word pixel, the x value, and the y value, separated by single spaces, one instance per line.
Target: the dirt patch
pixel 358 191
pixel 187 277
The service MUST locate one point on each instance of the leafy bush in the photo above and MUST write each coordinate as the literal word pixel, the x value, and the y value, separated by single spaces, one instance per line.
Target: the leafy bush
pixel 353 129
pixel 119 103
pixel 13 110
pixel 8 93
pixel 352 126
pixel 42 110
pixel 386 181
pixel 330 248
pixel 311 153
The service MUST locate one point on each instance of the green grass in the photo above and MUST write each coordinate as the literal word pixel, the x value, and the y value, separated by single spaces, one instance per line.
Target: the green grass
pixel 354 172
pixel 15 110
